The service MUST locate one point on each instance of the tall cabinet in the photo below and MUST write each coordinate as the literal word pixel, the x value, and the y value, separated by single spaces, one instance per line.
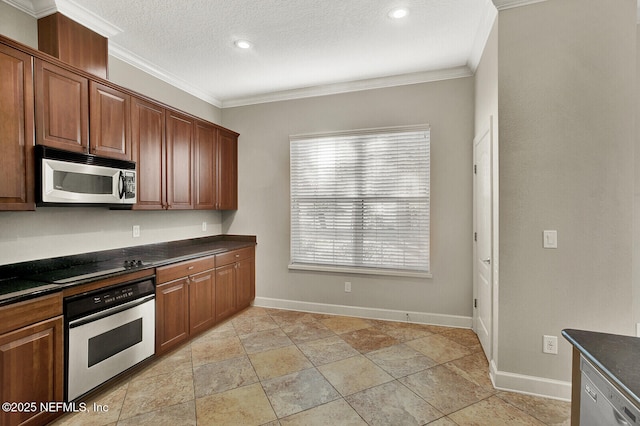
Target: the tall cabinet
pixel 227 179
pixel 16 130
pixel 179 161
pixel 149 153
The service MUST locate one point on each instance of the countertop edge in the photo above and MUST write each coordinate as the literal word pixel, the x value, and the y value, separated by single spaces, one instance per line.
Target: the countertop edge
pixel 635 399
pixel 47 288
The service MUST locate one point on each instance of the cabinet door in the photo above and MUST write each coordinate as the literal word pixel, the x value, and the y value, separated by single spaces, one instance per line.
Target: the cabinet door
pixel 245 282
pixel 31 370
pixel 172 314
pixel 201 301
pixel 148 151
pixel 225 297
pixel 179 161
pixel 16 130
pixel 110 119
pixel 227 182
pixel 62 108
pixel 205 166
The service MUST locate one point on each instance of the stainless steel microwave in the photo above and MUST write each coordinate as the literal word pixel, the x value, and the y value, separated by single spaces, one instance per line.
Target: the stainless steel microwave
pixel 70 178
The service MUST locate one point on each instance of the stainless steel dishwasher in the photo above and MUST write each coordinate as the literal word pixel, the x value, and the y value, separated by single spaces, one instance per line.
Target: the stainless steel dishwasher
pixel 601 403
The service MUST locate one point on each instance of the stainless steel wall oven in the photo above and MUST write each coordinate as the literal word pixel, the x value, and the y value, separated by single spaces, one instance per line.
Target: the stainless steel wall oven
pixel 107 331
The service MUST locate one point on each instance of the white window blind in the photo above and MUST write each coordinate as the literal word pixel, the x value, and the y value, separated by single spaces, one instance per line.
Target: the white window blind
pixel 360 199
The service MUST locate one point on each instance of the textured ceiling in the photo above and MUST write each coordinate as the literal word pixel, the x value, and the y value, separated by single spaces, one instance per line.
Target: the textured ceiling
pixel 300 47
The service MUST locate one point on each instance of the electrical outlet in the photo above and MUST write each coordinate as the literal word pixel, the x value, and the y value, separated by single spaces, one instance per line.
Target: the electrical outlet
pixel 550 344
pixel 204 226
pixel 347 287
pixel 136 231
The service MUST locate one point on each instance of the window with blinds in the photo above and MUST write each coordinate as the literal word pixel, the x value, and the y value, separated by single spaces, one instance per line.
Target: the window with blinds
pixel 360 199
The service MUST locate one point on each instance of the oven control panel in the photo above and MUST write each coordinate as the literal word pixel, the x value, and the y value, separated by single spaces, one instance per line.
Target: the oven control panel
pixel 98 300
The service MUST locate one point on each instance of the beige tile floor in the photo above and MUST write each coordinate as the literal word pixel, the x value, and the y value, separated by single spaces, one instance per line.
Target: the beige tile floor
pixel 277 367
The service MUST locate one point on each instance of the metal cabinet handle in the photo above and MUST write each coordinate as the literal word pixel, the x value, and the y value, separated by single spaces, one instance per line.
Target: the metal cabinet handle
pixel 487 261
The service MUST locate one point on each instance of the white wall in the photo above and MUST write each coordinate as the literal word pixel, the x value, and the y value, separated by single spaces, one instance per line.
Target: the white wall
pixel 567 98
pixel 264 195
pixel 18 26
pixel 51 232
pixel 134 79
pixel 60 231
pixel 636 195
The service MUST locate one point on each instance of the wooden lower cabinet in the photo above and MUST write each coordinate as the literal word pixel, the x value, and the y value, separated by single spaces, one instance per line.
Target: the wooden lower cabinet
pixel 31 361
pixel 185 304
pixel 235 281
pixel 194 295
pixel 202 307
pixel 172 314
pixel 225 291
pixel 246 281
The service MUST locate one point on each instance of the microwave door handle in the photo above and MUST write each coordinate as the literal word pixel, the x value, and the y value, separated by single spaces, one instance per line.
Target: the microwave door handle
pixel 121 185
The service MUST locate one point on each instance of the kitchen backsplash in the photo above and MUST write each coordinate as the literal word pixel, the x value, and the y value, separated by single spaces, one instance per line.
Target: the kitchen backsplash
pixel 52 231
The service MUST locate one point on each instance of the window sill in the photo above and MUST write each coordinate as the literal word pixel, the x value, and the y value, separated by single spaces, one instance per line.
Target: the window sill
pixel 359 271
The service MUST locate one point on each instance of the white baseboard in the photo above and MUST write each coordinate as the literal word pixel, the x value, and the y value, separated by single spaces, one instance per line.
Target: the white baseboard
pixel 529 385
pixel 370 313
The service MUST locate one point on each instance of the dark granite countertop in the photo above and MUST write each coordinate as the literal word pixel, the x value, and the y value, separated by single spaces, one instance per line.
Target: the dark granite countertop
pixel 618 357
pixel 25 280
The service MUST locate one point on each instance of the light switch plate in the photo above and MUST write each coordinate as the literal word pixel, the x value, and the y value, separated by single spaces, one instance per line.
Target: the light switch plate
pixel 550 239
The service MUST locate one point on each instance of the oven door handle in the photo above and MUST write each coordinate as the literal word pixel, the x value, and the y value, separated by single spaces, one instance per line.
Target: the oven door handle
pixel 111 311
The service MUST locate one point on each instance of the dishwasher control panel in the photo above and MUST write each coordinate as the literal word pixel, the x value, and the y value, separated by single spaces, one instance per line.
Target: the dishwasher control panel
pixel 601 402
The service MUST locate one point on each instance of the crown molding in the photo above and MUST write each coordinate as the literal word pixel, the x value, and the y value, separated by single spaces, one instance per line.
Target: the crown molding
pixel 482 35
pixel 142 64
pixel 34 8
pixel 352 86
pixel 41 8
pixel 87 18
pixel 509 4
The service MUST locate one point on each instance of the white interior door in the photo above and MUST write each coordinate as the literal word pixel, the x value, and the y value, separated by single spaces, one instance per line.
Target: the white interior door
pixel 483 311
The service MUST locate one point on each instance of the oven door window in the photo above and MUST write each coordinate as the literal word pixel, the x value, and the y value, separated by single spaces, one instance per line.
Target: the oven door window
pixel 114 341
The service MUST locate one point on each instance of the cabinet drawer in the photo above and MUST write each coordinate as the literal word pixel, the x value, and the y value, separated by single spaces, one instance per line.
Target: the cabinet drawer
pixel 178 270
pixel 234 256
pixel 29 312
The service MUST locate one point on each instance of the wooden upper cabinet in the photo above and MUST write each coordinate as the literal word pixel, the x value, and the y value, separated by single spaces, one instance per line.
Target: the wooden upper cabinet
pixel 149 153
pixel 16 130
pixel 205 166
pixel 73 43
pixel 110 122
pixel 227 180
pixel 62 108
pixel 180 157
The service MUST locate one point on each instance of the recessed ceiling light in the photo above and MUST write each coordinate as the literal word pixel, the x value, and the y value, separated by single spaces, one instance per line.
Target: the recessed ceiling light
pixel 398 13
pixel 243 44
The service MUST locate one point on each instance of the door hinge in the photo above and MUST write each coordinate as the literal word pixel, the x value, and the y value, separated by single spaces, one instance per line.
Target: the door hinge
pixel 475 303
pixel 475 236
pixel 475 169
